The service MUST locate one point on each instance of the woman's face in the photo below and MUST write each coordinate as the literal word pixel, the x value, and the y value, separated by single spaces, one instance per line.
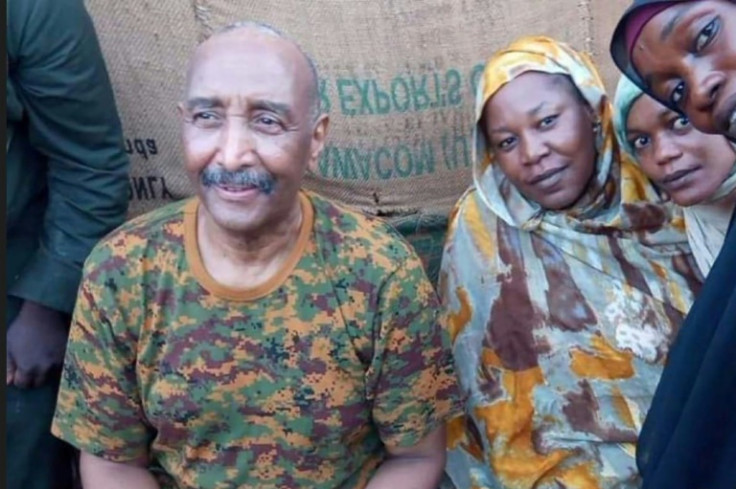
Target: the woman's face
pixel 687 56
pixel 540 132
pixel 687 164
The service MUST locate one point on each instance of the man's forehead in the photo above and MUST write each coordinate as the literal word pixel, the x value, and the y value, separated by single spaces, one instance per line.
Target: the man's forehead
pixel 234 54
pixel 243 56
pixel 242 69
pixel 247 42
pixel 246 64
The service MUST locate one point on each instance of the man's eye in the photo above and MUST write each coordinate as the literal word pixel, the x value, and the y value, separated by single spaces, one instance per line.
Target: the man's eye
pixel 205 119
pixel 204 116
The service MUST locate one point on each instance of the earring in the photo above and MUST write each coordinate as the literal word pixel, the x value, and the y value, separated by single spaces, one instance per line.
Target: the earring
pixel 598 135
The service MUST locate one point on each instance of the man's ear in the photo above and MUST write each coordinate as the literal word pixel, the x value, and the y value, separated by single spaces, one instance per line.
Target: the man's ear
pixel 319 137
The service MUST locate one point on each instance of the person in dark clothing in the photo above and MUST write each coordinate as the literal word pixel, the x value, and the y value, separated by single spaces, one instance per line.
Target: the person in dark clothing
pixel 683 53
pixel 67 187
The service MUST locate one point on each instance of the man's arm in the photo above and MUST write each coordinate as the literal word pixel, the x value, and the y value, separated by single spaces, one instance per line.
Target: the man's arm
pixel 412 379
pixel 100 473
pixel 61 79
pixel 99 408
pixel 70 115
pixel 416 467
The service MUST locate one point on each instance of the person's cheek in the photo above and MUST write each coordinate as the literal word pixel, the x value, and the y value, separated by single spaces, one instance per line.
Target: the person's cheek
pixel 200 148
pixel 651 169
pixel 703 121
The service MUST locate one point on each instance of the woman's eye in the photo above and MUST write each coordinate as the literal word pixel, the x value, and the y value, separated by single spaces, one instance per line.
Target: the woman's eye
pixel 640 142
pixel 680 123
pixel 547 121
pixel 706 35
pixel 678 94
pixel 506 143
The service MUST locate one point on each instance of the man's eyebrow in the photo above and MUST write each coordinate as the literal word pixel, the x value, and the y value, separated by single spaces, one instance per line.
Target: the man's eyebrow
pixel 674 21
pixel 275 107
pixel 203 103
pixel 212 103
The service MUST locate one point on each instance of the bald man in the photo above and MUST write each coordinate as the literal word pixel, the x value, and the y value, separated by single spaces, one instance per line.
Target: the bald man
pixel 257 335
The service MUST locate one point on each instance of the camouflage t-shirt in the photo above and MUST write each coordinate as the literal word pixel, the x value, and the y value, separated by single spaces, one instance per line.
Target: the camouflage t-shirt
pixel 299 382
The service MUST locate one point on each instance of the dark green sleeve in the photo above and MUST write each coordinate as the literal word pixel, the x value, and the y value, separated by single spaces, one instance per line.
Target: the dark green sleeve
pixel 62 82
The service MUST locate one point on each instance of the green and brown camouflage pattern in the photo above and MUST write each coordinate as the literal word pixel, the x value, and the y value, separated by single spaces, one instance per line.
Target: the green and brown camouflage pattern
pixel 302 387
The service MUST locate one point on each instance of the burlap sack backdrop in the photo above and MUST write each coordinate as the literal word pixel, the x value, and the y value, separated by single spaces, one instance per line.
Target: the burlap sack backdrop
pixel 397 77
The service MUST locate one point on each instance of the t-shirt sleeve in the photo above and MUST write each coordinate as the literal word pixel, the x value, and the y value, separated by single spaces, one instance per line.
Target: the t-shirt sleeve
pixel 99 407
pixel 411 374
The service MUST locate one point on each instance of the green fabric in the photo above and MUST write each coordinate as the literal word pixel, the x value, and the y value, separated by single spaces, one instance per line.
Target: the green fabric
pixel 426 234
pixel 301 382
pixel 66 187
pixel 66 164
pixel 626 94
pixel 35 459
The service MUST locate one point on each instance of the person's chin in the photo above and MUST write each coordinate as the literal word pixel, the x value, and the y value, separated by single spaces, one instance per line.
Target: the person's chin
pixel 231 214
pixel 235 222
pixel 557 201
pixel 690 197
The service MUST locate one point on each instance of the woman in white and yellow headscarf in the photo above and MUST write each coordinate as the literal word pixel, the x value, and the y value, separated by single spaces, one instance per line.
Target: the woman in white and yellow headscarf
pixel 696 170
pixel 564 279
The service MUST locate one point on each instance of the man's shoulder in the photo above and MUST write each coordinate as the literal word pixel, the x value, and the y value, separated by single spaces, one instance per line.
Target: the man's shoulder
pixel 351 232
pixel 156 231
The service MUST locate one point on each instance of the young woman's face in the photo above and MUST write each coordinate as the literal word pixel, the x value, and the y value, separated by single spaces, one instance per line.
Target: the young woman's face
pixel 540 132
pixel 687 164
pixel 687 56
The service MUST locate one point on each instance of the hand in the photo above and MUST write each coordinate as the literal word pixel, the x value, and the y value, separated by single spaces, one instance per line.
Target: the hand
pixel 35 342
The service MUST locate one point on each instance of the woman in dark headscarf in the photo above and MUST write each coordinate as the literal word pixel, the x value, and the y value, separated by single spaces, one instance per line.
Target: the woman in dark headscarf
pixel 683 53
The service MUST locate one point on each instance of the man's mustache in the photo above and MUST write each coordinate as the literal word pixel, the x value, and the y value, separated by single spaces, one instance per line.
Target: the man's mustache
pixel 214 175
